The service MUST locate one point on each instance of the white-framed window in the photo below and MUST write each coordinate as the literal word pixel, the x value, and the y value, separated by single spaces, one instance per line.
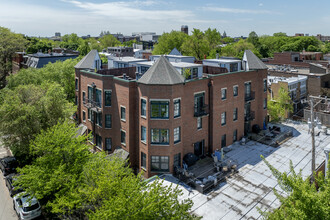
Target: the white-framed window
pixel 143 161
pixel 223 118
pixel 84 97
pixel 108 123
pixel 199 123
pixel 123 137
pixel 159 136
pixel 108 144
pixel 84 116
pixel 224 93
pixel 107 98
pixel 177 108
pixel 160 163
pixel 235 114
pixel 143 107
pixel 177 135
pixel 143 134
pixel 235 90
pixel 123 113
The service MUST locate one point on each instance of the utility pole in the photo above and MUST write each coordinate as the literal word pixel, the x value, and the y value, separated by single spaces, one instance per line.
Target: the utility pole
pixel 313 124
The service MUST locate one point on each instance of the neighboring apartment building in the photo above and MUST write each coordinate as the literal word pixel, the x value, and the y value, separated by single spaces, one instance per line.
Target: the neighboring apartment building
pixel 296 86
pixel 121 62
pixel 161 117
pixel 231 64
pixel 121 51
pixel 323 38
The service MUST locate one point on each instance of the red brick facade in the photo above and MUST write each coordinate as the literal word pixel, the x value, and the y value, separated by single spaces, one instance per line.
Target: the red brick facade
pixel 128 94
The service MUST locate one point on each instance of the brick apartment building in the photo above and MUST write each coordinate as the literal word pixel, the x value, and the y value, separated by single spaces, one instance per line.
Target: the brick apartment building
pixel 161 117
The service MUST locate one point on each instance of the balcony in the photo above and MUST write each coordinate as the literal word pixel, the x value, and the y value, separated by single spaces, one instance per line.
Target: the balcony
pixel 249 97
pixel 201 110
pixel 92 105
pixel 249 116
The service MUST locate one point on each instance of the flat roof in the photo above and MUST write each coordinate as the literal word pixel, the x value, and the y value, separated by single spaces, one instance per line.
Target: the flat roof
pixel 174 56
pixel 175 64
pixel 222 60
pixel 240 196
pixel 289 80
pixel 128 59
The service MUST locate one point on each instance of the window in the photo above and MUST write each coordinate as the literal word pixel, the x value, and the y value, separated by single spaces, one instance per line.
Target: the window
pixel 199 104
pixel 223 140
pixel 107 97
pixel 199 123
pixel 194 73
pixel 76 100
pixel 143 160
pixel 98 141
pixel 108 144
pixel 89 114
pixel 98 98
pixel 144 69
pixel 123 113
pixel 265 85
pixel 123 137
pixel 177 160
pixel 235 135
pixel 107 121
pixel 159 136
pixel 159 109
pixel 90 94
pixel 99 119
pixel 177 108
pixel 265 103
pixel 247 89
pixel 143 134
pixel 223 118
pixel 76 84
pixel 177 135
pixel 84 97
pixel 159 163
pixel 235 89
pixel 235 114
pixel 143 107
pixel 223 94
pixel 84 116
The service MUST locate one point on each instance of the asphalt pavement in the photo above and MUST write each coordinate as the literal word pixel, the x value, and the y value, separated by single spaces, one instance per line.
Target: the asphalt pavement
pixel 6 202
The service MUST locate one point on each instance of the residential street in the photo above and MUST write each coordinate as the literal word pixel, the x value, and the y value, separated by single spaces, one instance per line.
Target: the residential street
pixel 6 202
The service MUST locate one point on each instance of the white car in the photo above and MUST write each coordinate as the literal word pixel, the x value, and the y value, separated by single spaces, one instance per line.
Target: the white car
pixel 26 206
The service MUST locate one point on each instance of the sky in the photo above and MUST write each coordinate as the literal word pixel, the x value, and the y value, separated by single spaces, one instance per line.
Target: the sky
pixel 238 18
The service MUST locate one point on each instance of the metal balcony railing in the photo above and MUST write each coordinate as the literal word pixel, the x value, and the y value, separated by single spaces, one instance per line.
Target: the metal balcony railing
pixel 249 116
pixel 201 110
pixel 93 105
pixel 250 96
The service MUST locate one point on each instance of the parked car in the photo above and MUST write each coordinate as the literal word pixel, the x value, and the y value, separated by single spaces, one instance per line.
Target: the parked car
pixel 8 165
pixel 26 206
pixel 13 190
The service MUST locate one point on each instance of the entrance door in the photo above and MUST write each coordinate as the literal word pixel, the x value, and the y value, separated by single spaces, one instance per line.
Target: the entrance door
pixel 199 148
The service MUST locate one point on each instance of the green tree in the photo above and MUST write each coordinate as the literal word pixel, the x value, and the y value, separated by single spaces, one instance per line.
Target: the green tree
pixel 35 45
pixel 237 49
pixel 109 41
pixel 60 160
pixel 84 48
pixel 61 72
pixel 305 201
pixel 104 59
pixel 28 109
pixel 168 41
pixel 254 39
pixel 94 44
pixel 71 41
pixel 280 34
pixel 196 45
pixel 280 105
pixel 9 44
pixel 73 183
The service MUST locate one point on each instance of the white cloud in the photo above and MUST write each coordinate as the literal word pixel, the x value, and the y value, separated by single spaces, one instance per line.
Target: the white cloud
pixel 261 4
pixel 131 10
pixel 237 10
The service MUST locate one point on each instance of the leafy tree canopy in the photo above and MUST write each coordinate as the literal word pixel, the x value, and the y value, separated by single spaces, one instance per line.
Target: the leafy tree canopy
pixel 28 109
pixel 9 44
pixel 305 201
pixel 168 41
pixel 109 41
pixel 75 184
pixel 71 41
pixel 280 105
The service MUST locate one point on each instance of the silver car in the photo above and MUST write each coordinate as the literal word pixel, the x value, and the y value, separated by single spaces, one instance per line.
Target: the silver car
pixel 26 206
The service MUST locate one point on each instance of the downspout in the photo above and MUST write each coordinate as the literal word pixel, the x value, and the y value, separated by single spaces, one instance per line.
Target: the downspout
pixel 210 122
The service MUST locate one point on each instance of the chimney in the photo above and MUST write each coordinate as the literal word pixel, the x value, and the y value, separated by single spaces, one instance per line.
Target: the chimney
pixel 124 76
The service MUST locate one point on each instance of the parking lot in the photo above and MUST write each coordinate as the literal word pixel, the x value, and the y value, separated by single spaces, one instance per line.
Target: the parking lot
pixel 6 202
